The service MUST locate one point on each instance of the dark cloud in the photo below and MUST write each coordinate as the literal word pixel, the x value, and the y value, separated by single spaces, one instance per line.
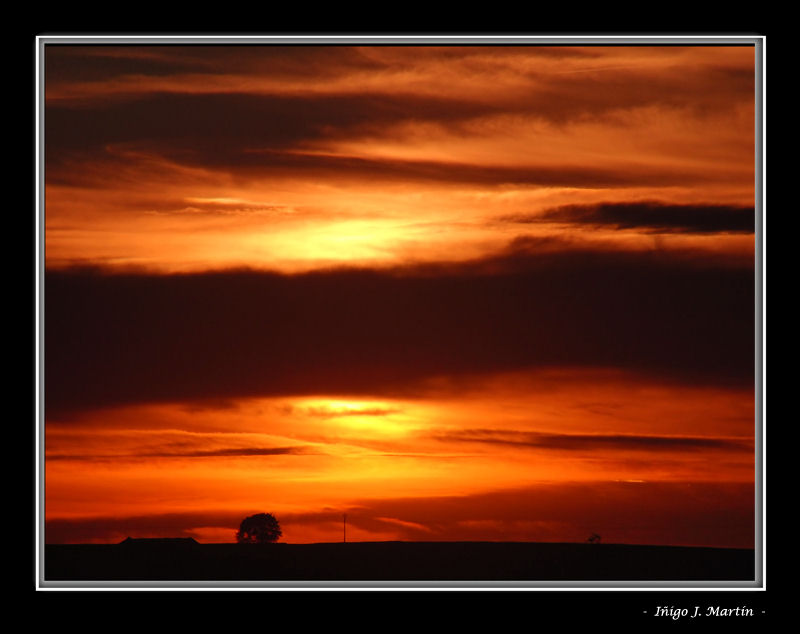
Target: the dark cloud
pixel 124 338
pixel 68 63
pixel 116 528
pixel 579 442
pixel 200 125
pixel 236 452
pixel 315 165
pixel 651 216
pixel 254 136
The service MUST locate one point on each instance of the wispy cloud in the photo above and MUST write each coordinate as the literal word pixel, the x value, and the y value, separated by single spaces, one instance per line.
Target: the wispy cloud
pixel 337 412
pixel 579 442
pixel 231 452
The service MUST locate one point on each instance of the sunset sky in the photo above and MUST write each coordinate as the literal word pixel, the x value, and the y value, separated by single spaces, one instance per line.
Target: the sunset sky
pixel 457 293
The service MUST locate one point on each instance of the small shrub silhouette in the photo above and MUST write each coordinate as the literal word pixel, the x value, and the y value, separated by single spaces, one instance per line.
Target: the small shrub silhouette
pixel 261 528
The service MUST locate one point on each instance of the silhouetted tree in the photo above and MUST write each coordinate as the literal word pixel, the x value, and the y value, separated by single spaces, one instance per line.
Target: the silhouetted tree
pixel 262 528
pixel 594 539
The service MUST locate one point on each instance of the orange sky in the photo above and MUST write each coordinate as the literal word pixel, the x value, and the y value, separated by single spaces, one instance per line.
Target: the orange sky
pixel 498 293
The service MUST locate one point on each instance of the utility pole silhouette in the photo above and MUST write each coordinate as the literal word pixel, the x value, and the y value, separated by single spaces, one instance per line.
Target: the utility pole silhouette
pixel 344 528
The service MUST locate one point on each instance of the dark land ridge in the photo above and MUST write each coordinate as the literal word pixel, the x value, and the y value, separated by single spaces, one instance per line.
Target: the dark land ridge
pixel 187 560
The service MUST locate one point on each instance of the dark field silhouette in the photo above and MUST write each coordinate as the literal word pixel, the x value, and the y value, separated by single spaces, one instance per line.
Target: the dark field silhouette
pixel 186 560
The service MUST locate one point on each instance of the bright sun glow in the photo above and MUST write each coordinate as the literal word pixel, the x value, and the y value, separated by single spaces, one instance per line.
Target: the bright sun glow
pixel 370 417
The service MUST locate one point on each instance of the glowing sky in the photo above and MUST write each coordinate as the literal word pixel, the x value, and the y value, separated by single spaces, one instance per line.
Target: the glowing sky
pixel 500 293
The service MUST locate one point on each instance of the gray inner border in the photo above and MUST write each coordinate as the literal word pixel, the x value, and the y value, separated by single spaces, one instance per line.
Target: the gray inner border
pixel 759 41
